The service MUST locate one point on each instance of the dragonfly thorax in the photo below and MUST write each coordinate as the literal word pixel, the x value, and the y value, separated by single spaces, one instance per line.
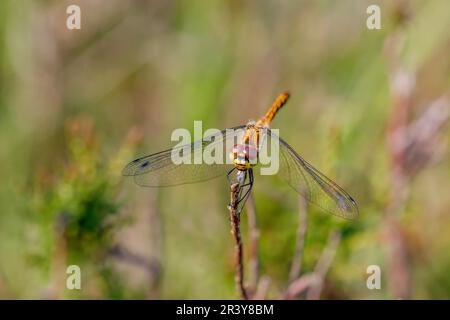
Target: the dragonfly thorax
pixel 244 156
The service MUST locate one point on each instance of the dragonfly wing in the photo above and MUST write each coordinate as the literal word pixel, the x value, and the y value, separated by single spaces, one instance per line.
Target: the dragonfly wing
pixel 312 184
pixel 159 169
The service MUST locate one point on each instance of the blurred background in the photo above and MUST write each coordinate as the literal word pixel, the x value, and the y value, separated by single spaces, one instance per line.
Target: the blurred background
pixel 369 108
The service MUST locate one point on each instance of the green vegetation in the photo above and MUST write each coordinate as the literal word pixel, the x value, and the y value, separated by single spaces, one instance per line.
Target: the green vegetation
pixel 76 106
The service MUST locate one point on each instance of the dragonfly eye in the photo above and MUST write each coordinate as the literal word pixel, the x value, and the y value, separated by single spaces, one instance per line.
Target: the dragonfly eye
pixel 244 150
pixel 250 151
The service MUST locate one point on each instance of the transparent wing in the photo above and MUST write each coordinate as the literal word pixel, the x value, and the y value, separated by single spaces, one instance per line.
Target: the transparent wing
pixel 160 170
pixel 312 184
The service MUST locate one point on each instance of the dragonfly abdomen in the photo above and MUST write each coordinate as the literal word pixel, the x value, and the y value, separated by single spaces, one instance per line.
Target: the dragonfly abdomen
pixel 277 105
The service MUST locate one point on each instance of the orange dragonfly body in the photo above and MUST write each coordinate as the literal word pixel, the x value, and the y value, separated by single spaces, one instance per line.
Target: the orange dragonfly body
pixel 159 170
pixel 240 155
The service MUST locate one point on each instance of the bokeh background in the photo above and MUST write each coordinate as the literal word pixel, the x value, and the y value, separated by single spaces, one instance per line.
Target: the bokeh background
pixel 369 108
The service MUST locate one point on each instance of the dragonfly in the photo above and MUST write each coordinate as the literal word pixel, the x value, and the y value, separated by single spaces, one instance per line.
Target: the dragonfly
pixel 242 144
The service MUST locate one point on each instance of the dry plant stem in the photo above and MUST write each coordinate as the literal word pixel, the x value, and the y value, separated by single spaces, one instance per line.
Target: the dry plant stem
pixel 402 84
pixel 262 288
pixel 413 144
pixel 313 282
pixel 253 245
pixel 300 285
pixel 300 242
pixel 236 231
pixel 323 265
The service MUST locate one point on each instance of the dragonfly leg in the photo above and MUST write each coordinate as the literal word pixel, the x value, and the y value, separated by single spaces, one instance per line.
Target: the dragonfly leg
pixel 244 187
pixel 243 199
pixel 229 175
pixel 242 184
pixel 250 175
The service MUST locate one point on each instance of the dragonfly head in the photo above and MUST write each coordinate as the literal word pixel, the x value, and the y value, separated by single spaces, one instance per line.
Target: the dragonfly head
pixel 244 156
pixel 251 124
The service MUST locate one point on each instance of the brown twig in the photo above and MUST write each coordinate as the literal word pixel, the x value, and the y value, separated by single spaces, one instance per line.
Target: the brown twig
pixel 262 289
pixel 300 242
pixel 253 233
pixel 323 265
pixel 313 282
pixel 236 231
pixel 300 285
